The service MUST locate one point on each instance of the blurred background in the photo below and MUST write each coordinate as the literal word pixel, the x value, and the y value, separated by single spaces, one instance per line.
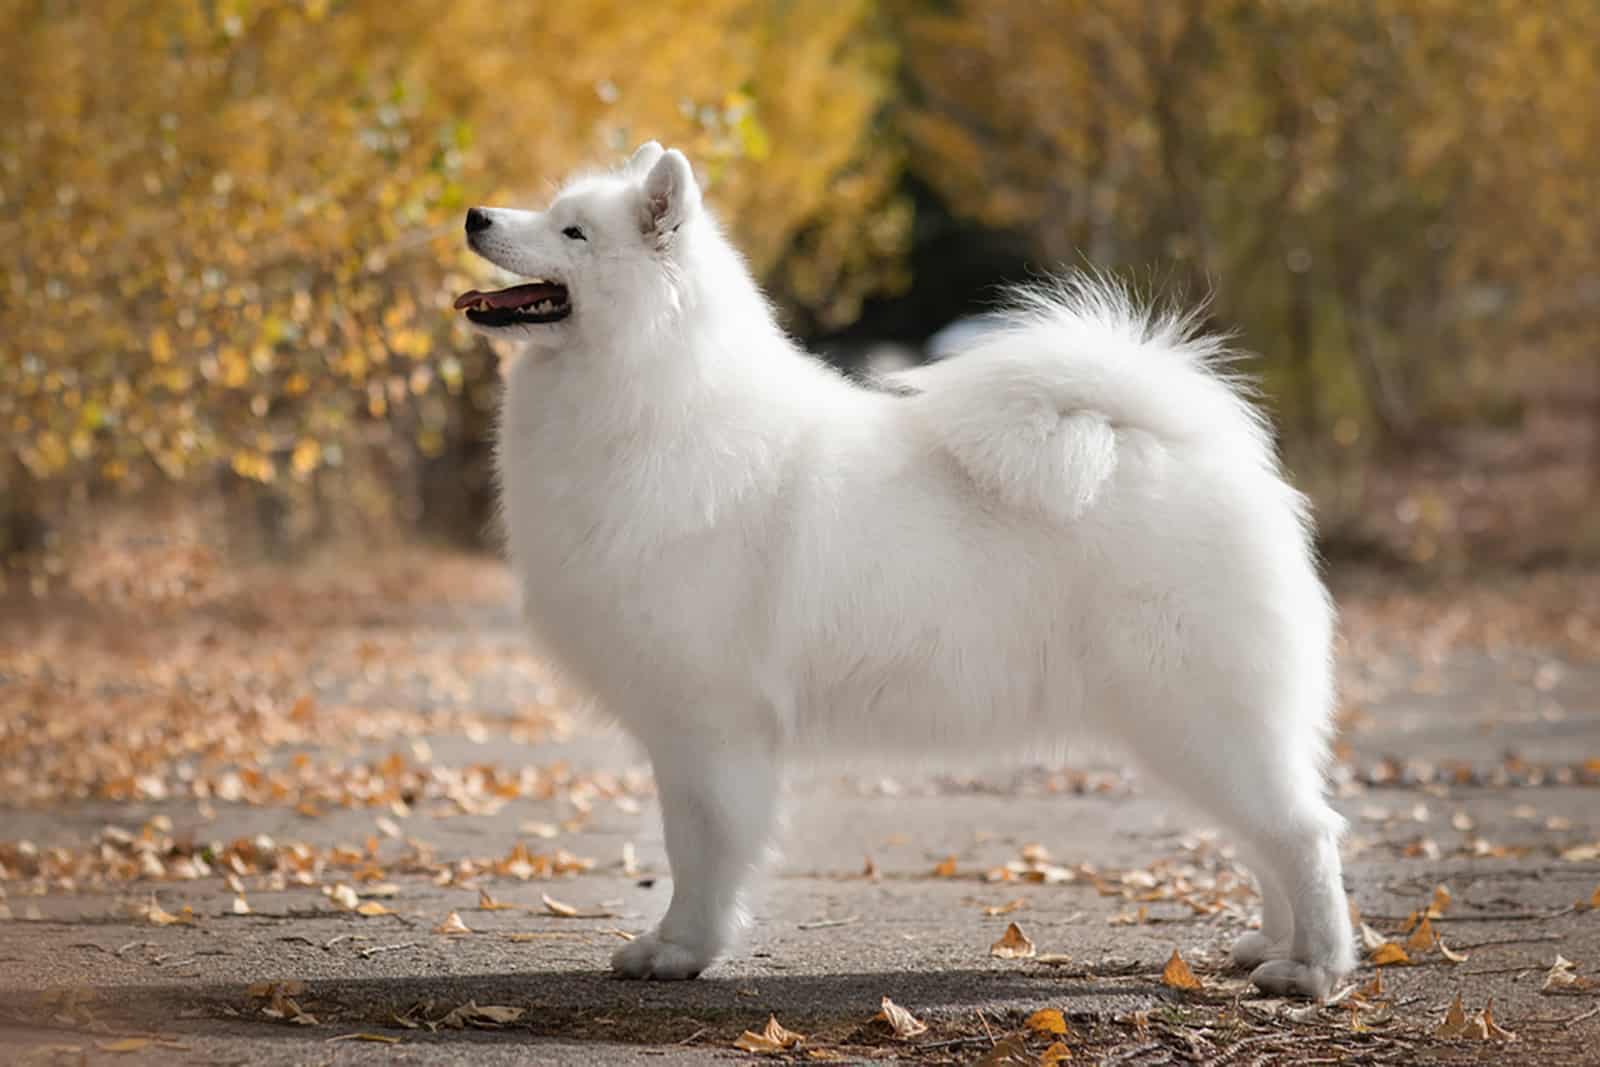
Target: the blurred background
pixel 232 236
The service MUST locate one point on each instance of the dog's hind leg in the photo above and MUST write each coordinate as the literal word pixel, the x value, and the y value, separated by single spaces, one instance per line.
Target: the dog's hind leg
pixel 718 807
pixel 1272 804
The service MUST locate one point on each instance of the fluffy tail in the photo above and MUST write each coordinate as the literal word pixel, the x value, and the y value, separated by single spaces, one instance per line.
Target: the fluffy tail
pixel 1038 411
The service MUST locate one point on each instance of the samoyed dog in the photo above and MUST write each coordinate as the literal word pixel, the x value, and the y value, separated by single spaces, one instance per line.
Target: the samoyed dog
pixel 1075 529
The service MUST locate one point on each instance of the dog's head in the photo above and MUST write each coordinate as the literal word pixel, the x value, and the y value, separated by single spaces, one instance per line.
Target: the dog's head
pixel 601 253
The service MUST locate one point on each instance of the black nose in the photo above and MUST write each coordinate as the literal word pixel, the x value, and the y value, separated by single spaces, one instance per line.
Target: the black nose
pixel 478 219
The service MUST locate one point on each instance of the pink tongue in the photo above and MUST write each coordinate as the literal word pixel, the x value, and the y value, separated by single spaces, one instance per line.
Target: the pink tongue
pixel 515 297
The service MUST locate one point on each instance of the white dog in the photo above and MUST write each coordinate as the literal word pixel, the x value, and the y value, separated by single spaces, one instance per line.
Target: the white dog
pixel 1077 528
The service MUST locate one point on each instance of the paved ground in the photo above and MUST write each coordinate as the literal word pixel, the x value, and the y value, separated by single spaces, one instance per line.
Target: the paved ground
pixel 1465 766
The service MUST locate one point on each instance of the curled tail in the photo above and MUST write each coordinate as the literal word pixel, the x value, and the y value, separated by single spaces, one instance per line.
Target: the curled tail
pixel 1038 412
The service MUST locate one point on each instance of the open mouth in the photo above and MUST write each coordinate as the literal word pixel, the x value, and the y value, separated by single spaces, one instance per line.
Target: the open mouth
pixel 529 304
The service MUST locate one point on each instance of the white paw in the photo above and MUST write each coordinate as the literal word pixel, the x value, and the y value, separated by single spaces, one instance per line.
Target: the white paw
pixel 1290 978
pixel 647 956
pixel 1255 948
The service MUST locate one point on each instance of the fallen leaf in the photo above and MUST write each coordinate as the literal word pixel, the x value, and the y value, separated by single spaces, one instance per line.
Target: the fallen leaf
pixel 902 1022
pixel 1422 938
pixel 1371 940
pixel 291 988
pixel 1178 975
pixel 370 908
pixel 1451 955
pixel 1388 954
pixel 1009 1051
pixel 772 1038
pixel 124 1044
pixel 343 896
pixel 452 924
pixel 488 903
pixel 556 907
pixel 1492 1030
pixel 241 906
pixel 1007 908
pixel 1454 1023
pixel 1440 902
pixel 1563 977
pixel 1047 1021
pixel 946 869
pixel 483 1016
pixel 1013 944
pixel 1056 1053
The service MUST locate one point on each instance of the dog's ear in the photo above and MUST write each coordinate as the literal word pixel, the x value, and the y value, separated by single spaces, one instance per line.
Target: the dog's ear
pixel 671 197
pixel 644 157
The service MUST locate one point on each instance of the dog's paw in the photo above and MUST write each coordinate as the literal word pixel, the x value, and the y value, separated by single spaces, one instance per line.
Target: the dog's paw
pixel 648 956
pixel 1255 948
pixel 1291 978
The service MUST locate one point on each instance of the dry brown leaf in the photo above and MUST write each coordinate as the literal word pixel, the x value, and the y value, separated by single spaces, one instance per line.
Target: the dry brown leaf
pixel 1047 1021
pixel 1454 1023
pixel 124 1044
pixel 1422 938
pixel 1440 902
pixel 1056 1053
pixel 869 870
pixel 488 903
pixel 902 1022
pixel 995 910
pixel 371 908
pixel 156 915
pixel 1492 1030
pixel 1389 954
pixel 772 1038
pixel 1011 1051
pixel 556 907
pixel 384 1039
pixel 1178 975
pixel 1013 944
pixel 1563 977
pixel 1371 940
pixel 452 924
pixel 483 1016
pixel 291 988
pixel 946 868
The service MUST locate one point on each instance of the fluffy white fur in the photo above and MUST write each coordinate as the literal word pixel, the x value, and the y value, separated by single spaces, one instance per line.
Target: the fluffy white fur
pixel 1076 529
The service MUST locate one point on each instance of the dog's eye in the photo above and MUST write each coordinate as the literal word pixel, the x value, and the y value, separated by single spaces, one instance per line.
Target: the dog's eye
pixel 574 233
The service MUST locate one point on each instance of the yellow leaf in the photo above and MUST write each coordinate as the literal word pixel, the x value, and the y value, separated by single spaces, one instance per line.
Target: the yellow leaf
pixel 1389 953
pixel 772 1038
pixel 1178 975
pixel 452 924
pixel 902 1022
pixel 1056 1053
pixel 1422 938
pixel 1013 944
pixel 1047 1021
pixel 372 907
pixel 946 869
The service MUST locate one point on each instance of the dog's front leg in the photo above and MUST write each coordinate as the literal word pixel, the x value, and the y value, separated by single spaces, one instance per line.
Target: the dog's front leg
pixel 718 805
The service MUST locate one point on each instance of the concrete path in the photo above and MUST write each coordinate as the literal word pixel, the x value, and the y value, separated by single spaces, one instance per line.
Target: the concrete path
pixel 423 773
